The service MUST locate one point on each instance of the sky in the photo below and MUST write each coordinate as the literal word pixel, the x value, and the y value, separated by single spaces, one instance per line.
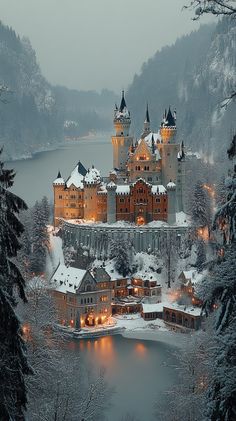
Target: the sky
pixel 96 44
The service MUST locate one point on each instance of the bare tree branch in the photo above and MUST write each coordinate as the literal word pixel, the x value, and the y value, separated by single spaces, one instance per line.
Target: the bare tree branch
pixel 214 7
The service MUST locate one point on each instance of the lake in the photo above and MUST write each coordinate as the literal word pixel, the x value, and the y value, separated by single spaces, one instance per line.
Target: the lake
pixel 140 370
pixel 34 177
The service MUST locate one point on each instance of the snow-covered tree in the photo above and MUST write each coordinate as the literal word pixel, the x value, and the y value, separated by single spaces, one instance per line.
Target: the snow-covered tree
pixel 122 253
pixel 201 255
pixel 60 389
pixel 214 7
pixel 201 206
pixel 40 238
pixel 13 362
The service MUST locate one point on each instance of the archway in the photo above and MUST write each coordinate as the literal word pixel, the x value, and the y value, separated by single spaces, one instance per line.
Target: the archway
pixel 140 220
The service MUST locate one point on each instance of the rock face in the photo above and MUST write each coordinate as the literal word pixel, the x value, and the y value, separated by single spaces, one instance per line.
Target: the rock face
pixel 194 75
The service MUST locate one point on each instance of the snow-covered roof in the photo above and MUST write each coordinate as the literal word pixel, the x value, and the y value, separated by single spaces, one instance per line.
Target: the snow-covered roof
pixel 171 185
pixel 156 137
pixel 59 180
pixel 189 274
pixel 194 311
pixel 158 189
pixel 123 189
pixel 93 176
pixel 67 279
pixel 153 308
pixel 75 178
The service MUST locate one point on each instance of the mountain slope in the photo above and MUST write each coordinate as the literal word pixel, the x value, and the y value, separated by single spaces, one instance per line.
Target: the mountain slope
pixel 34 114
pixel 194 75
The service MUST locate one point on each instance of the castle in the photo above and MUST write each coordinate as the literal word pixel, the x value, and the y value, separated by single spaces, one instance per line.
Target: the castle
pixel 146 183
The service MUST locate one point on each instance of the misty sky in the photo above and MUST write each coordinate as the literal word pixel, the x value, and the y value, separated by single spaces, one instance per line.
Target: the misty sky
pixel 95 44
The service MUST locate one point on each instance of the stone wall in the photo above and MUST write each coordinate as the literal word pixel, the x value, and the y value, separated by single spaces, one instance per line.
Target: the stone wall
pixel 95 238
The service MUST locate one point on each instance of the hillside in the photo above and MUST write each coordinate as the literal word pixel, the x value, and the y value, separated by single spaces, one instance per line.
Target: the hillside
pixel 193 75
pixel 33 113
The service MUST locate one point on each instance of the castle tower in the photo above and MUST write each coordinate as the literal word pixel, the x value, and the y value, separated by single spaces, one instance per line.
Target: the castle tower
pixel 122 141
pixel 171 190
pixel 111 202
pixel 59 197
pixel 168 127
pixel 92 181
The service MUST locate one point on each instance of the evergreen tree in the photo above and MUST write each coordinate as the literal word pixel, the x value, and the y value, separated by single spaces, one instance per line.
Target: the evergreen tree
pixel 122 254
pixel 201 207
pixel 219 292
pixel 39 238
pixel 201 256
pixel 13 363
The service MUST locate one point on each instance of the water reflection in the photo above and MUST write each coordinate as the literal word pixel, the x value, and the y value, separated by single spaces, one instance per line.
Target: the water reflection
pixel 138 370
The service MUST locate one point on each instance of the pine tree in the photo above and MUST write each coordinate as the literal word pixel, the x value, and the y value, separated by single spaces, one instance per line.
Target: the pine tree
pixel 13 362
pixel 219 293
pixel 39 239
pixel 201 256
pixel 201 207
pixel 121 252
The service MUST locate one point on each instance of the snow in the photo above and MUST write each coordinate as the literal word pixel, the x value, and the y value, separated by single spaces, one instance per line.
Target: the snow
pixel 123 189
pixel 182 219
pixel 156 136
pixel 76 179
pixel 67 279
pixel 171 185
pixel 154 308
pixel 158 189
pixel 59 180
pixel 109 268
pixel 135 322
pixel 93 176
pixel 194 311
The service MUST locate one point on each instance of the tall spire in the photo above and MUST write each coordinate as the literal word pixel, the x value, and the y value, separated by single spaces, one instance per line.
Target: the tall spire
pixel 147 119
pixel 123 103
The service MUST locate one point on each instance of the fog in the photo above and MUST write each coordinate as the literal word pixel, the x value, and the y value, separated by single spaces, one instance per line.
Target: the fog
pixel 95 44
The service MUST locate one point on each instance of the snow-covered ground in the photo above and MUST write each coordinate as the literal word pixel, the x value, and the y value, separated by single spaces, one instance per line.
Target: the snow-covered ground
pixel 55 255
pixel 155 330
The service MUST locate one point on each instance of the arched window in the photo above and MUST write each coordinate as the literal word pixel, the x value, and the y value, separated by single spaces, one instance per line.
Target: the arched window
pixel 91 299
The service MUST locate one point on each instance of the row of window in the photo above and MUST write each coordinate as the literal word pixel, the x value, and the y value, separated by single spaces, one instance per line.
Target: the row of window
pixel 145 168
pixel 86 300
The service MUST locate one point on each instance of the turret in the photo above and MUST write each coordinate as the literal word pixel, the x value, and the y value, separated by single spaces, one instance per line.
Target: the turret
pixel 122 141
pixel 111 202
pixel 171 190
pixel 59 190
pixel 168 127
pixel 146 125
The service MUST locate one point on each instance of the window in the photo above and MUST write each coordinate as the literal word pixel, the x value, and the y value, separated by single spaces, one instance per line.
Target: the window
pixel 126 210
pixel 158 200
pixel 91 299
pixel 72 205
pixel 81 301
pixel 121 210
pixel 122 200
pixel 60 197
pixel 157 178
pixel 149 178
pixel 104 298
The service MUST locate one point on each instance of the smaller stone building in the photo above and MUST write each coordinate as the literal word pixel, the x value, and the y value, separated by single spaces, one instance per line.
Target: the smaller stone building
pixel 182 316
